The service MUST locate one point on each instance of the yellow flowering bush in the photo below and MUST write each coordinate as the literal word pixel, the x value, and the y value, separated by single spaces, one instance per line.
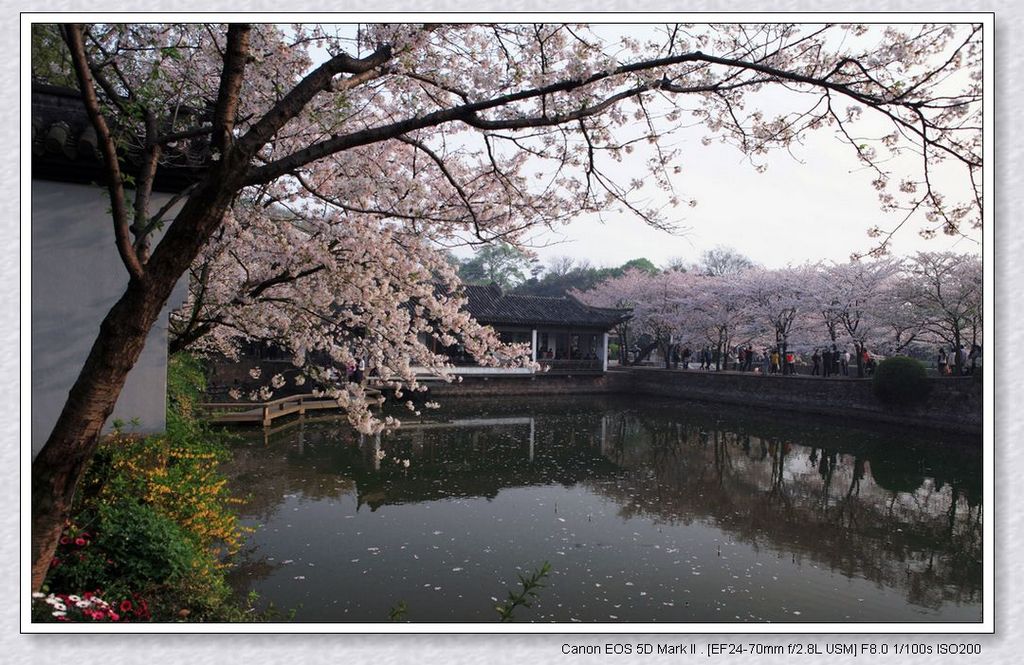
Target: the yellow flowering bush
pixel 171 484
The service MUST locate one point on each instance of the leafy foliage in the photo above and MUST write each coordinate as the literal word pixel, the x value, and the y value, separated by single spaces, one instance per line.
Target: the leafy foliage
pixel 901 381
pixel 398 611
pixel 566 274
pixel 524 596
pixel 50 60
pixel 156 515
pixel 501 264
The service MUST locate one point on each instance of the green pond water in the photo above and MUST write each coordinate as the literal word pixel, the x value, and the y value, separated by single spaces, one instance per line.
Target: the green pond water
pixel 646 511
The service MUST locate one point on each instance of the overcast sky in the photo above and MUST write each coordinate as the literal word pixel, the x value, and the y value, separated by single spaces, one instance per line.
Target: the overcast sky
pixel 819 209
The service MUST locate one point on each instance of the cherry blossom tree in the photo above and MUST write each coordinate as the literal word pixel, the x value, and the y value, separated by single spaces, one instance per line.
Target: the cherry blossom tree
pixel 777 299
pixel 852 297
pixel 662 311
pixel 626 291
pixel 946 290
pixel 721 312
pixel 901 316
pixel 387 143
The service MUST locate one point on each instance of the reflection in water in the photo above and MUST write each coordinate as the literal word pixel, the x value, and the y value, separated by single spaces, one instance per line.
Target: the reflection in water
pixel 646 511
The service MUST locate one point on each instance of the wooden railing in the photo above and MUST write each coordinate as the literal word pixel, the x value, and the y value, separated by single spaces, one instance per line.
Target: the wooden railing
pixel 266 412
pixel 562 365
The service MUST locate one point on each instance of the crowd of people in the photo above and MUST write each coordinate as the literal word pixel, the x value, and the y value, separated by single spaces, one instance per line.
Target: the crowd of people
pixel 958 360
pixel 827 361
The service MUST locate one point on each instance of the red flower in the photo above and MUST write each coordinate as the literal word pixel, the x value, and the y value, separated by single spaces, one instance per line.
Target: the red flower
pixel 54 562
pixel 64 540
pixel 126 606
pixel 81 542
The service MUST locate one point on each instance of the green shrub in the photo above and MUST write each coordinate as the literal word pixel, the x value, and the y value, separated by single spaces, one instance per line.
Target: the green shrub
pixel 154 518
pixel 128 547
pixel 901 381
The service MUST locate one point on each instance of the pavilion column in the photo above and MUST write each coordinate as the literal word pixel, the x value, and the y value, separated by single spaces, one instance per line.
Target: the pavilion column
pixel 533 345
pixel 532 436
pixel 604 354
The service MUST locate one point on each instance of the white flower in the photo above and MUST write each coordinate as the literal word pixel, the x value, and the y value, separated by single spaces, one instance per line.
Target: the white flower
pixel 235 393
pixel 74 599
pixel 60 614
pixel 255 372
pixel 300 380
pixel 277 381
pixel 38 594
pixel 405 463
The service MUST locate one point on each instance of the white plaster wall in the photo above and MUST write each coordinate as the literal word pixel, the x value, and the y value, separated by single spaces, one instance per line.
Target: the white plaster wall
pixel 77 276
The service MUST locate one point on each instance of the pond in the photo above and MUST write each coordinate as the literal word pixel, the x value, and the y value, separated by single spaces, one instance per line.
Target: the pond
pixel 646 511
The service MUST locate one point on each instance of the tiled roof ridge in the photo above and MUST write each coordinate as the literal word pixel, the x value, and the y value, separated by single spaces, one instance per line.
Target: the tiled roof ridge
pixel 65 146
pixel 487 302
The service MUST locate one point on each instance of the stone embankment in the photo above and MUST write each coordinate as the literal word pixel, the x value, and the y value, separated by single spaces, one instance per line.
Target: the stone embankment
pixel 953 403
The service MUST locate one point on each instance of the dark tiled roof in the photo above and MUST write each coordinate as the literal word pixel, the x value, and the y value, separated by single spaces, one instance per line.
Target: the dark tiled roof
pixel 64 145
pixel 490 306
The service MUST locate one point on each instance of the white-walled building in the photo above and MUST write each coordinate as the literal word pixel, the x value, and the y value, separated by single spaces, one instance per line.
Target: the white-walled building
pixel 76 273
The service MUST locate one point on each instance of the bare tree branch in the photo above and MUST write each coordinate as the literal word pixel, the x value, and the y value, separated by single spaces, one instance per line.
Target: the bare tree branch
pixel 115 185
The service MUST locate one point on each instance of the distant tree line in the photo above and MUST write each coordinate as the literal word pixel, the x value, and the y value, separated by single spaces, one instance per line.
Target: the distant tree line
pixel 515 271
pixel 886 305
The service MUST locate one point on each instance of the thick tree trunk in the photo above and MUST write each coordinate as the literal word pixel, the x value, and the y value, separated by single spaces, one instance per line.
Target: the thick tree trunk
pixel 957 356
pixel 644 352
pixel 59 465
pixel 859 349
